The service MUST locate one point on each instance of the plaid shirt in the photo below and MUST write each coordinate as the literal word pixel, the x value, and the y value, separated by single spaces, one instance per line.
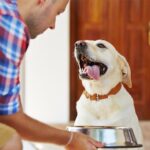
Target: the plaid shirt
pixel 14 39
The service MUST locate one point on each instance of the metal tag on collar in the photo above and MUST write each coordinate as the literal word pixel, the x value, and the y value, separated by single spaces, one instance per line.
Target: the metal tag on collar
pixel 97 97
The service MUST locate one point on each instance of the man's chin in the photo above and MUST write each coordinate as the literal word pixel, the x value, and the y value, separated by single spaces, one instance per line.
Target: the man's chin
pixel 33 36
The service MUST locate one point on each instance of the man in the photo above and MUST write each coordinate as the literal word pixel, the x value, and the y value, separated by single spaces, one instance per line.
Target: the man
pixel 21 20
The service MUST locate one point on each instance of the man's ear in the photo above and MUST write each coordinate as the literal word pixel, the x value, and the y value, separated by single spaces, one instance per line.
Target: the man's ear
pixel 126 71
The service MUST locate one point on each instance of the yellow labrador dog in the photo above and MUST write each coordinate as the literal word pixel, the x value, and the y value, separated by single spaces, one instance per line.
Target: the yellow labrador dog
pixel 105 101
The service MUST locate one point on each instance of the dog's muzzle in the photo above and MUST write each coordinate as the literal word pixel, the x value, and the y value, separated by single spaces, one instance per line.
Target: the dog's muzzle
pixel 89 69
pixel 81 46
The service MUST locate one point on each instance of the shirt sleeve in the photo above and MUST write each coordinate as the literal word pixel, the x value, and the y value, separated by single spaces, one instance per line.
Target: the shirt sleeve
pixel 12 43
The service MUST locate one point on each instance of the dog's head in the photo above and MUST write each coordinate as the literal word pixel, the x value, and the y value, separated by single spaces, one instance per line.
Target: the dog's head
pixel 101 67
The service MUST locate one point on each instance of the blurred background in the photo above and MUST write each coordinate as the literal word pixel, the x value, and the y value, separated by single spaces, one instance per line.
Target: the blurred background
pixel 50 83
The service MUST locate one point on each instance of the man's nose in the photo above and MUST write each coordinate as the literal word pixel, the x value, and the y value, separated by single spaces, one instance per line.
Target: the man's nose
pixel 52 26
pixel 80 45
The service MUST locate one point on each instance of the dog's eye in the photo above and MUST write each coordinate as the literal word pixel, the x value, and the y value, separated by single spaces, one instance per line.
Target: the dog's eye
pixel 100 45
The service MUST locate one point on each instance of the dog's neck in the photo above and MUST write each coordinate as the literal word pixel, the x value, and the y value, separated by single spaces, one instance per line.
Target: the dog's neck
pixel 96 97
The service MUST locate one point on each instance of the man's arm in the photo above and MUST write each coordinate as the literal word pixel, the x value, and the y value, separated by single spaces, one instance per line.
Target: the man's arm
pixel 34 130
pixel 31 129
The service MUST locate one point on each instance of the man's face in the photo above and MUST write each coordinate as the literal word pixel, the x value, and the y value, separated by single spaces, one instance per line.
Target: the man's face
pixel 44 16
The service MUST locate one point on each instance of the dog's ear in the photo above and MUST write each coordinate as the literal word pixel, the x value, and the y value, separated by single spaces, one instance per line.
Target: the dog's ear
pixel 126 71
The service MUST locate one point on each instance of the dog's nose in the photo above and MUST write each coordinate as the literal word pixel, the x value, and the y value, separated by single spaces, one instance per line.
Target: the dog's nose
pixel 80 45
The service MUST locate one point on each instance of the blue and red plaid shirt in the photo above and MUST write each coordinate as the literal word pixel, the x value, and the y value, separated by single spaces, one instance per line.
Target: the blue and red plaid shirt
pixel 14 40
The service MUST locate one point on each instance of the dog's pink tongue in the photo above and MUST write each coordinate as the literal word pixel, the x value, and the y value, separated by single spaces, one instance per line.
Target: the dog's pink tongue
pixel 92 71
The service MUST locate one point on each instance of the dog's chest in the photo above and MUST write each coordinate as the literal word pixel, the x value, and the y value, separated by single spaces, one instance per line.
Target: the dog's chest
pixel 115 110
pixel 102 109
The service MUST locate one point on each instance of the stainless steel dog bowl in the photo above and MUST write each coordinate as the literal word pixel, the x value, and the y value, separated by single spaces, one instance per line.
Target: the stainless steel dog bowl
pixel 112 137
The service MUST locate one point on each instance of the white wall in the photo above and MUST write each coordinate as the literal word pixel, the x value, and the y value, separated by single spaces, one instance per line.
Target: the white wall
pixel 47 74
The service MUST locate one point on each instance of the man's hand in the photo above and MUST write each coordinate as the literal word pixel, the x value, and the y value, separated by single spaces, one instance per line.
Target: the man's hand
pixel 82 142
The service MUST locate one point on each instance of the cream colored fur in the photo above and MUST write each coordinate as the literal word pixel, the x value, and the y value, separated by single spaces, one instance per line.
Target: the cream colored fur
pixel 116 110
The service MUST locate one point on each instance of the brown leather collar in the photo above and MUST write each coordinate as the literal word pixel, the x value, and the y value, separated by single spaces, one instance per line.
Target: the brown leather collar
pixel 96 97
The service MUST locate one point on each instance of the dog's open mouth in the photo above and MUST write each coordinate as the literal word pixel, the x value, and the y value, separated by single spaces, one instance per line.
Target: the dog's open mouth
pixel 91 69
